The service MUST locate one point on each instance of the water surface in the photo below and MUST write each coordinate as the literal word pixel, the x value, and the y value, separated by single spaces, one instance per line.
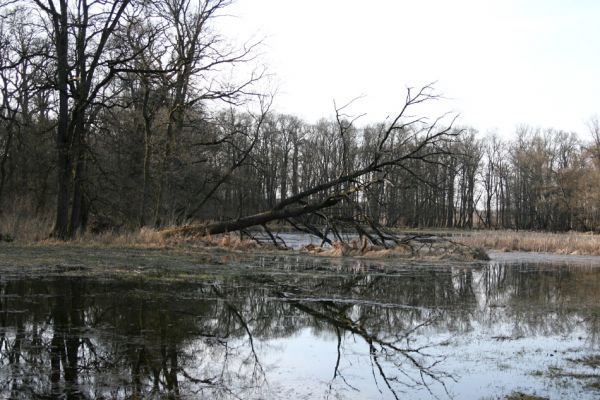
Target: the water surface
pixel 300 327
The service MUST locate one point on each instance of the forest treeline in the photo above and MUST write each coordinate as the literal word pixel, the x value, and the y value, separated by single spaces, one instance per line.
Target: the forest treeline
pixel 125 113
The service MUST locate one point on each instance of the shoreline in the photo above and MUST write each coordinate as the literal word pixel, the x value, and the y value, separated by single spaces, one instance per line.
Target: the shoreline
pixel 567 243
pixel 147 248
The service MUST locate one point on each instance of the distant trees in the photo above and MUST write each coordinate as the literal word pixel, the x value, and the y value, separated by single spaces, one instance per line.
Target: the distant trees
pixel 540 180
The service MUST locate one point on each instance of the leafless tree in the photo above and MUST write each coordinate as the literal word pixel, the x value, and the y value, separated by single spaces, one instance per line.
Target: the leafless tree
pixel 422 142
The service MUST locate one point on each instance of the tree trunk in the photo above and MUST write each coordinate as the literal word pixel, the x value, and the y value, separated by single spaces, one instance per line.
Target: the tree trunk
pixel 450 203
pixel 295 163
pixel 61 224
pixel 259 219
pixel 78 208
pixel 146 167
pixel 5 152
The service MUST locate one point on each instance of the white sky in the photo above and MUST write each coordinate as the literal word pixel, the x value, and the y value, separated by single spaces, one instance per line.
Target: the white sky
pixel 500 63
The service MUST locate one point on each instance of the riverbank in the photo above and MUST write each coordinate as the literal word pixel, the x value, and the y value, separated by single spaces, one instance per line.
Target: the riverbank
pixel 569 243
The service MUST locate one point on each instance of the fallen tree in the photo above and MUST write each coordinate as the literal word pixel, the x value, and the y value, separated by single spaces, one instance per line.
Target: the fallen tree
pixel 403 143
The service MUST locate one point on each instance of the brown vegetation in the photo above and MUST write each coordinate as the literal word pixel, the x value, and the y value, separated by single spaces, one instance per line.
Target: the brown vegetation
pixel 436 249
pixel 23 225
pixel 561 243
pixel 24 229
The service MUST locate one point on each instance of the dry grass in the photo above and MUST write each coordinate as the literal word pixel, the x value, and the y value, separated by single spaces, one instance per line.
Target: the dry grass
pixel 355 248
pixel 150 238
pixel 442 250
pixel 143 237
pixel 230 241
pixel 560 243
pixel 21 224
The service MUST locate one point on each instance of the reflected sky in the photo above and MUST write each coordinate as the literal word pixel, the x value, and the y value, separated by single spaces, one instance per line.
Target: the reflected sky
pixel 299 327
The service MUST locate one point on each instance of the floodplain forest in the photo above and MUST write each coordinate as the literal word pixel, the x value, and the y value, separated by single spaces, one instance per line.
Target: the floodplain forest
pixel 126 113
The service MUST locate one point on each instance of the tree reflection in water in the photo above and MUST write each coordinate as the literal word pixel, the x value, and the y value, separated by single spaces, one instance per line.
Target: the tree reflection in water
pixel 83 337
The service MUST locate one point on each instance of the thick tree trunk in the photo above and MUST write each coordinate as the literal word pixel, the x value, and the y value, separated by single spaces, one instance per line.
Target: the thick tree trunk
pixel 78 208
pixel 5 153
pixel 145 176
pixel 146 167
pixel 61 224
pixel 450 205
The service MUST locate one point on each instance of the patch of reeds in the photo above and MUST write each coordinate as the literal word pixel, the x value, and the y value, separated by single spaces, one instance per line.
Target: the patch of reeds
pixel 21 223
pixel 230 241
pixel 439 249
pixel 154 238
pixel 574 243
pixel 23 226
pixel 143 237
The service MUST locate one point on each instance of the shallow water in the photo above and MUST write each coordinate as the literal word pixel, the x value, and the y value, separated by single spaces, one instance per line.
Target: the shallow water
pixel 299 327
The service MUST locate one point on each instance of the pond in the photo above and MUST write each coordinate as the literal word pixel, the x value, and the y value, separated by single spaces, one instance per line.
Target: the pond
pixel 276 326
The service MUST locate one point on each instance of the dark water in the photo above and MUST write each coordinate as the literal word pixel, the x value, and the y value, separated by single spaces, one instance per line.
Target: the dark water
pixel 286 327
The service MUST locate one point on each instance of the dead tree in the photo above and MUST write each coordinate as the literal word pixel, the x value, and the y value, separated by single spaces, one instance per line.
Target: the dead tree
pixel 416 140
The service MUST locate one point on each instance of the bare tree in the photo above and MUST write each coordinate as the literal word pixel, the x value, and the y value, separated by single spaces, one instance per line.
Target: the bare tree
pixel 421 144
pixel 84 64
pixel 196 55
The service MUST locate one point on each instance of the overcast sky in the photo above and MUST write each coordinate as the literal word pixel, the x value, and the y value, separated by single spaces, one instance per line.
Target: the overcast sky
pixel 499 63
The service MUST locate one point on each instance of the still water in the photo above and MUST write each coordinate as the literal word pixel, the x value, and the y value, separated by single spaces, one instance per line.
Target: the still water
pixel 298 327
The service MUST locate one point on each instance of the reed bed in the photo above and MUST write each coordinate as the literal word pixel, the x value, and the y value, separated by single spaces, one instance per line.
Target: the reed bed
pixel 23 226
pixel 574 243
pixel 155 238
pixel 143 237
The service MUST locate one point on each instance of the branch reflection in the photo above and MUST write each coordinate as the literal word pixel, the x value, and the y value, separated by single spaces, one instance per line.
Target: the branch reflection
pixel 82 337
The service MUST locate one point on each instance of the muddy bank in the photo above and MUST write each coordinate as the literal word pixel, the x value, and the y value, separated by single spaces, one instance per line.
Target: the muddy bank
pixel 221 255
